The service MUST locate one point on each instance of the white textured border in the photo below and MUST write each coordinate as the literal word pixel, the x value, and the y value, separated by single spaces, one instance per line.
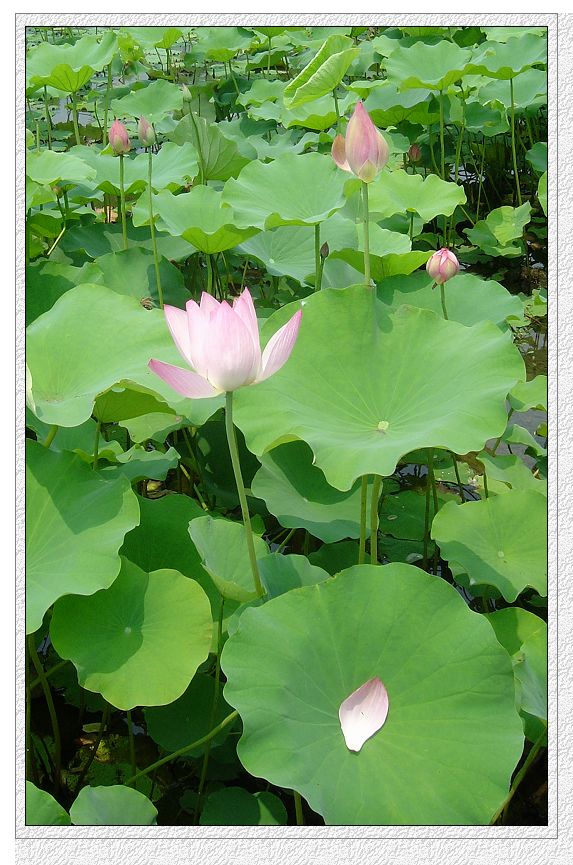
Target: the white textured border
pixel 126 845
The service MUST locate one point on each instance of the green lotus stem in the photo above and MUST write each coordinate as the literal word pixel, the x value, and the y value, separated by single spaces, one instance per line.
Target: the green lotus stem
pixel 285 541
pixel 38 140
pixel 233 450
pixel 497 441
pixel 152 228
pixel 209 273
pixel 434 163
pixel 458 478
pixel 529 132
pixel 375 497
pixel 365 219
pixel 28 734
pixel 513 152
pixel 122 201
pixel 362 542
pixel 131 739
pixel 51 435
pixel 485 489
pixel 480 177
pixel 298 809
pixel 211 735
pixel 411 226
pixel 443 300
pixel 106 103
pixel 96 444
pixel 51 709
pixel 47 674
pixel 75 119
pixel 435 498
pixel 269 59
pixel 213 709
pixel 442 147
pixel 520 775
pixel 336 108
pixel 48 118
pixel 426 524
pixel 317 259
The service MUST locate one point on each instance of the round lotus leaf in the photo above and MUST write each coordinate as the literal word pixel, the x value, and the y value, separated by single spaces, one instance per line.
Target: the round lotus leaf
pixel 234 806
pixel 42 809
pixel 362 394
pixel 188 718
pixel 469 299
pixel 152 101
pixel 75 525
pixel 89 340
pixel 395 192
pixel 67 66
pixel 280 574
pixel 500 541
pixel 295 189
pixel 122 640
pixel 116 805
pixel 506 60
pixel 432 66
pixel 452 736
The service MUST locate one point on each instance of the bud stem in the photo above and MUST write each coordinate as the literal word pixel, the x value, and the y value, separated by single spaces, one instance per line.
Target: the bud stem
pixel 443 299
pixel 106 104
pixel 374 502
pixel 513 153
pixel 317 259
pixel 366 217
pixel 152 228
pixel 75 119
pixel 362 542
pixel 122 202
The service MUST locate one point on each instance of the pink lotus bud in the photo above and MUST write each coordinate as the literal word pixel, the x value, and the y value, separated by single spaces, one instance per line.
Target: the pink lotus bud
pixel 363 713
pixel 414 153
pixel 221 345
pixel 146 132
pixel 118 138
pixel 442 266
pixel 364 150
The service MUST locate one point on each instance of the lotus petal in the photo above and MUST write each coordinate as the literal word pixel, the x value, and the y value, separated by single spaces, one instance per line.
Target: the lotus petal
pixel 363 713
pixel 279 347
pixel 184 381
pixel 231 356
pixel 178 326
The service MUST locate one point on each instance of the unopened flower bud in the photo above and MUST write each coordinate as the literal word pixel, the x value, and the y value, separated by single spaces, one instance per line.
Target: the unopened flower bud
pixel 186 93
pixel 146 132
pixel 363 151
pixel 442 266
pixel 324 250
pixel 414 153
pixel 118 138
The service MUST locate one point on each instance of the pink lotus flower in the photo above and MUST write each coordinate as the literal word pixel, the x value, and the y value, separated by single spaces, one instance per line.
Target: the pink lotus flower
pixel 118 138
pixel 363 713
pixel 364 151
pixel 146 132
pixel 442 266
pixel 221 344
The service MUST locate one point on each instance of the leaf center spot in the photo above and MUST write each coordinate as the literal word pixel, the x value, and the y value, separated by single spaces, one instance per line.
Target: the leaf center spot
pixel 127 631
pixel 500 554
pixel 382 426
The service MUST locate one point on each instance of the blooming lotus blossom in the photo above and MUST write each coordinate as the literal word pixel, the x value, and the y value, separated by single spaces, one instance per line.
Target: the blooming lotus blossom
pixel 442 266
pixel 118 138
pixel 146 132
pixel 364 150
pixel 221 344
pixel 363 713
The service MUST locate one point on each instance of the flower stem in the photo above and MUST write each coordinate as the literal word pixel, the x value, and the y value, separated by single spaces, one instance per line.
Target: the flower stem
pixel 75 119
pixel 442 148
pixel 375 498
pixel 96 444
pixel 458 478
pixel 51 709
pixel 336 108
pixel 432 479
pixel 122 201
pixel 298 809
pixel 233 450
pixel 443 299
pixel 365 218
pixel 213 709
pixel 513 153
pixel 106 104
pixel 362 542
pixel 131 746
pixel 48 118
pixel 152 228
pixel 520 775
pixel 51 436
pixel 317 259
pixel 210 735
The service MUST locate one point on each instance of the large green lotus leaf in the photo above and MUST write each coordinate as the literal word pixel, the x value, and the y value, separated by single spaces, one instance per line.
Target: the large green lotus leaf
pixel 280 574
pixel 508 472
pixel 320 114
pixel 432 66
pixel 498 233
pixel 324 72
pixel 100 238
pixel 295 189
pixel 154 37
pixel 126 400
pixel 516 434
pixel 524 636
pixel 396 192
pixel 362 395
pixel 335 557
pixel 486 119
pixel 402 515
pixel 261 90
pixel 542 192
pixel 75 525
pixel 155 426
pixel 50 167
pixel 173 167
pixel 507 59
pixel 73 357
pixel 47 280
pixel 297 493
pixel 222 43
pixel 188 718
pixel 452 736
pixel 220 157
pixel 469 298
pixel 132 272
pixel 235 806
pixel 42 809
pixel 116 805
pixel 68 67
pixel 529 91
pixel 529 394
pixel 122 640
pixel 388 106
pixel 201 218
pixel 162 541
pixel 222 546
pixel 537 156
pixel 152 101
pixel 500 541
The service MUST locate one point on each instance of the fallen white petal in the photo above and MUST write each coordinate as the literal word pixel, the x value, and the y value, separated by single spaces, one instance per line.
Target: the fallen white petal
pixel 363 713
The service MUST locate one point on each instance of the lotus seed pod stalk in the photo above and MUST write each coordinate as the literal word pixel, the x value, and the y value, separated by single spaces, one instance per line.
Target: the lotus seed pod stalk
pixel 363 151
pixel 146 132
pixel 118 138
pixel 442 266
